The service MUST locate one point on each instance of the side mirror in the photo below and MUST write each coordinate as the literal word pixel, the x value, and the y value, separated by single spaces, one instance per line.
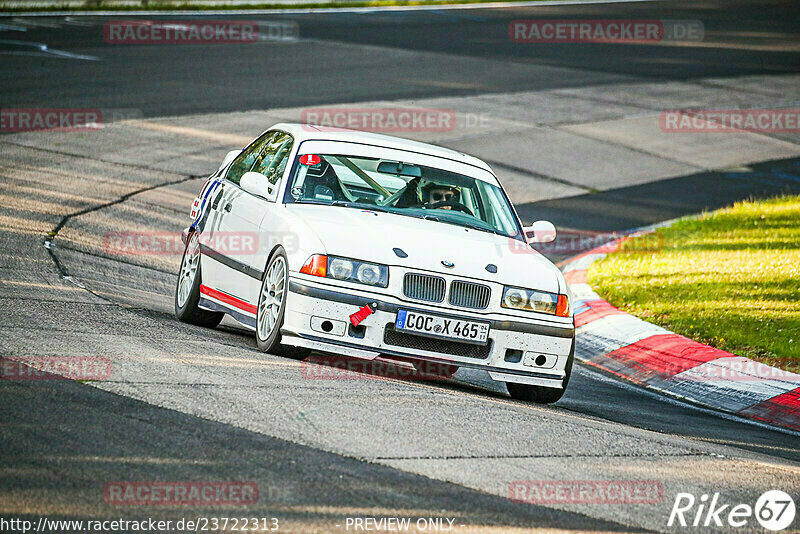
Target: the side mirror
pixel 540 232
pixel 228 158
pixel 257 184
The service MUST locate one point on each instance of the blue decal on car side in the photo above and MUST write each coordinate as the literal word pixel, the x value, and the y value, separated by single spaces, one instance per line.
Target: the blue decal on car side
pixel 210 188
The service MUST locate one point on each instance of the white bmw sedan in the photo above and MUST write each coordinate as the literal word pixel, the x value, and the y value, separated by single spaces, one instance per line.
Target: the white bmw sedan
pixel 366 245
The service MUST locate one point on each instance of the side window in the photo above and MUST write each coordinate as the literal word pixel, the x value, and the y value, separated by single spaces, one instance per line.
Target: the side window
pixel 272 161
pixel 244 162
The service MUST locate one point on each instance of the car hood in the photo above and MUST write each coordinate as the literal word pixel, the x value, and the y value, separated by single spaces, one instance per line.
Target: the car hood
pixel 372 236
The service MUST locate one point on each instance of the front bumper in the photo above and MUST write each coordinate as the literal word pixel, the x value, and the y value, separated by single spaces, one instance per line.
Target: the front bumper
pixel 539 351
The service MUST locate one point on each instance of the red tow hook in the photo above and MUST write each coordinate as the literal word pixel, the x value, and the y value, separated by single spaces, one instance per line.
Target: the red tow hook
pixel 363 313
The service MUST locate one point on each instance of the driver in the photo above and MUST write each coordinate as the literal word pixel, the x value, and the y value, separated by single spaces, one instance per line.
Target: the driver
pixel 434 193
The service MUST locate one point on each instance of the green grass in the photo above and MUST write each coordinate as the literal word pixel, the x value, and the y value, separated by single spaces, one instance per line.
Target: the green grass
pixel 199 6
pixel 730 279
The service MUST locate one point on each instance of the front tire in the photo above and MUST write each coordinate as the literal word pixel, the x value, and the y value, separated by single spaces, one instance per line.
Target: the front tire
pixel 272 308
pixel 187 289
pixel 541 394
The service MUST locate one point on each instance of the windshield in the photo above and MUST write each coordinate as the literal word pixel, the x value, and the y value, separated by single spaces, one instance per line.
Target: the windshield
pixel 404 189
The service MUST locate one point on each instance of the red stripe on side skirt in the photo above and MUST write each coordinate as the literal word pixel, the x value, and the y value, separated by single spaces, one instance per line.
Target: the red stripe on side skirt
pixel 224 297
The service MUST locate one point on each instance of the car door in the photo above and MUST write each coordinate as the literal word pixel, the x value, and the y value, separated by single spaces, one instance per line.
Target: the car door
pixel 244 227
pixel 216 266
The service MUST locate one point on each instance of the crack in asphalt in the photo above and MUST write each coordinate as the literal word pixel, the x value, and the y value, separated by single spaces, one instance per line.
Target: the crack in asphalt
pixel 49 239
pixel 51 236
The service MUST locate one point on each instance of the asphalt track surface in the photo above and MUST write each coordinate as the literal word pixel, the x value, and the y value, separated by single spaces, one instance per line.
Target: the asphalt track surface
pixel 164 80
pixel 319 450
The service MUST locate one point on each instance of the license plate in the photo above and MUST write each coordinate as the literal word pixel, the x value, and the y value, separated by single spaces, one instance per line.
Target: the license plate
pixel 436 326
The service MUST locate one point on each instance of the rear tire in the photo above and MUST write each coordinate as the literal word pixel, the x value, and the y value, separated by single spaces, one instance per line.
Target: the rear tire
pixel 187 289
pixel 272 308
pixel 541 394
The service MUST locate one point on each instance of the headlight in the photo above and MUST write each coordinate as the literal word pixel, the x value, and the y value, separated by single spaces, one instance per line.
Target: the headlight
pixel 543 302
pixel 369 273
pixel 515 298
pixel 360 272
pixel 340 268
pixel 538 301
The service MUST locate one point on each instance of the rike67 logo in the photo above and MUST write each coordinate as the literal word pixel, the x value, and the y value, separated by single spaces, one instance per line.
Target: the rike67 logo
pixel 774 510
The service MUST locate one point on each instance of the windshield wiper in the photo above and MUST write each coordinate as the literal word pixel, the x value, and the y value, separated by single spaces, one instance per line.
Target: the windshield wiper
pixel 463 225
pixel 454 223
pixel 482 229
pixel 359 205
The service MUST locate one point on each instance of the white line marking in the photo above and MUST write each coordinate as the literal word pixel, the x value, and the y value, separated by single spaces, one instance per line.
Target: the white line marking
pixel 10 27
pixel 72 22
pixel 42 49
pixel 35 24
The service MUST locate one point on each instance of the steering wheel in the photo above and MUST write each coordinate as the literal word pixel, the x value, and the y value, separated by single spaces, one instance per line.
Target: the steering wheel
pixel 451 203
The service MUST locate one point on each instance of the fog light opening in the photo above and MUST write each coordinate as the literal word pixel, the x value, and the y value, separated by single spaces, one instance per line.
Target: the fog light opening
pixel 327 326
pixel 540 359
pixel 356 331
pixel 513 355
